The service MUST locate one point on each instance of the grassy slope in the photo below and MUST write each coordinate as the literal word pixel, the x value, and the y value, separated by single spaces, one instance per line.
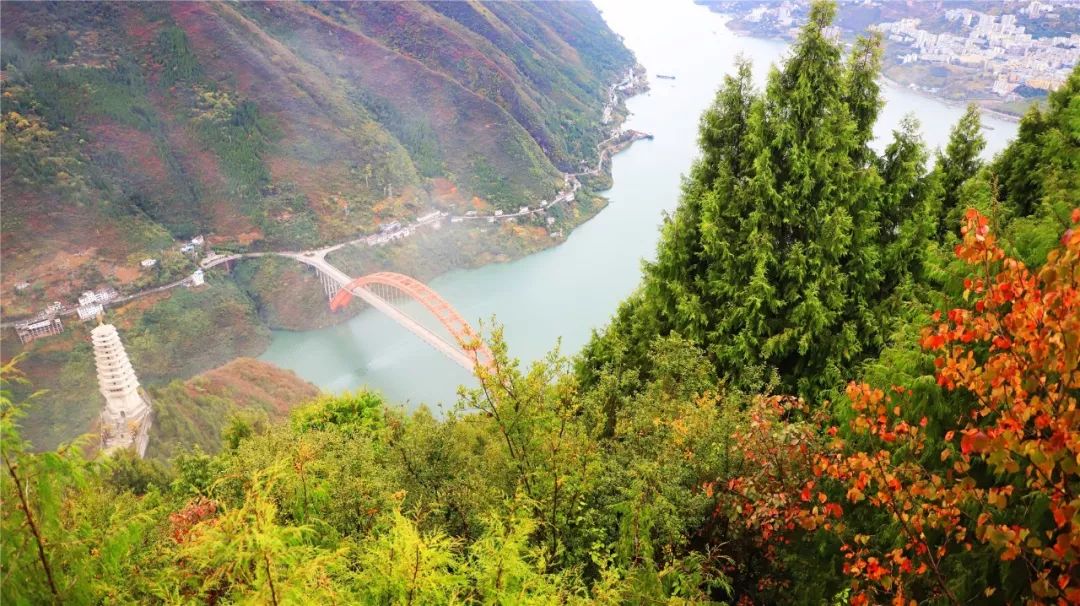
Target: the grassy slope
pixel 477 141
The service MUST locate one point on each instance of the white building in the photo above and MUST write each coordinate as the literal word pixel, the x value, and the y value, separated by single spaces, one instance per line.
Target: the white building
pixel 1002 86
pixel 89 312
pixel 89 297
pixel 125 419
pixel 31 331
pixel 148 263
pixel 198 278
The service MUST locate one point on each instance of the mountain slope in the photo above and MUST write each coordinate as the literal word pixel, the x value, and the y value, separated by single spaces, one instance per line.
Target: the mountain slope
pixel 127 126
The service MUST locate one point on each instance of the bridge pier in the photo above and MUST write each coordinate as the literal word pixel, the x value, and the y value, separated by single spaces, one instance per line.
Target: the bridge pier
pixel 329 284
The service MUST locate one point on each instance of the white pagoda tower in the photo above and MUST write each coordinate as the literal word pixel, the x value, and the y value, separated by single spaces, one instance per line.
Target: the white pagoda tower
pixel 125 419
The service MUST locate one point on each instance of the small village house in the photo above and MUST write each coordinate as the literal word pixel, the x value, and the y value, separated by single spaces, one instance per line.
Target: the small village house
pixel 32 331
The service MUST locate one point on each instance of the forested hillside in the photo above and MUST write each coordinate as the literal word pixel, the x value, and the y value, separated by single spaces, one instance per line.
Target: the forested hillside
pixel 129 125
pixel 850 377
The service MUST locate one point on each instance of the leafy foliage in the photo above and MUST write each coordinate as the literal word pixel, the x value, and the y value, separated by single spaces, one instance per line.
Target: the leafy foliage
pixel 513 498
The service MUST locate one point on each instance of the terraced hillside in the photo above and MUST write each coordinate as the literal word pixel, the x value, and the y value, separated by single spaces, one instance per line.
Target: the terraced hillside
pixel 128 126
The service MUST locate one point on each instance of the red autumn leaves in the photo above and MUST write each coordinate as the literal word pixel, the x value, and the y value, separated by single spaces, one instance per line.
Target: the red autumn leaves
pixel 182 522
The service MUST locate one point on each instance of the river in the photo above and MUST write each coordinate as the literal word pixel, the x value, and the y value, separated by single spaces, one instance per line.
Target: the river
pixel 569 290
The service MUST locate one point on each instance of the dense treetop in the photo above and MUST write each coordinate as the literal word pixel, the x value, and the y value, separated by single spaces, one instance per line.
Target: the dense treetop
pixel 794 236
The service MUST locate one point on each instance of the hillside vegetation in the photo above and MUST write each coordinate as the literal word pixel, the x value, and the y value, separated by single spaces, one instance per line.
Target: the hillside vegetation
pixel 202 411
pixel 849 378
pixel 127 126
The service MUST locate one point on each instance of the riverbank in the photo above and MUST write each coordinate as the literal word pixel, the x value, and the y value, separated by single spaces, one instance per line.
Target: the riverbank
pixel 614 114
pixel 1000 115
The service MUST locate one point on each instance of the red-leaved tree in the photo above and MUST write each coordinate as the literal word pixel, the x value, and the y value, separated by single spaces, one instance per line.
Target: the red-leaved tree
pixel 1007 477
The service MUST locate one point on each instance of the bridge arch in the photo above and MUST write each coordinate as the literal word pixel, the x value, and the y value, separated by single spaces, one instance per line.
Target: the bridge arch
pixel 468 340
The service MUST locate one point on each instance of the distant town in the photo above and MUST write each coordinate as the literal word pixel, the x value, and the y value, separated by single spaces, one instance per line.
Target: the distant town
pixel 995 45
pixel 1000 51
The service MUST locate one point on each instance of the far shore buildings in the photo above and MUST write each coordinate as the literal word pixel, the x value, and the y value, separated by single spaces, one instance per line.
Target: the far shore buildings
pixel 126 416
pixel 993 44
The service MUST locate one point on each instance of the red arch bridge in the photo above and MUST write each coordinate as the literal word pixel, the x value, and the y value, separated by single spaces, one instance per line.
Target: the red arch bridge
pixel 383 290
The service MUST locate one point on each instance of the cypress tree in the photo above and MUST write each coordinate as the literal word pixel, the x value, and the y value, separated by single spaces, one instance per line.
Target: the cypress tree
pixel 695 235
pixel 784 218
pixel 791 232
pixel 909 198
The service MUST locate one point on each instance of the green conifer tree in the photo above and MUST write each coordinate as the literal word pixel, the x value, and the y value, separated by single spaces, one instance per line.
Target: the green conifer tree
pixel 1043 164
pixel 792 232
pixel 789 205
pixel 909 199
